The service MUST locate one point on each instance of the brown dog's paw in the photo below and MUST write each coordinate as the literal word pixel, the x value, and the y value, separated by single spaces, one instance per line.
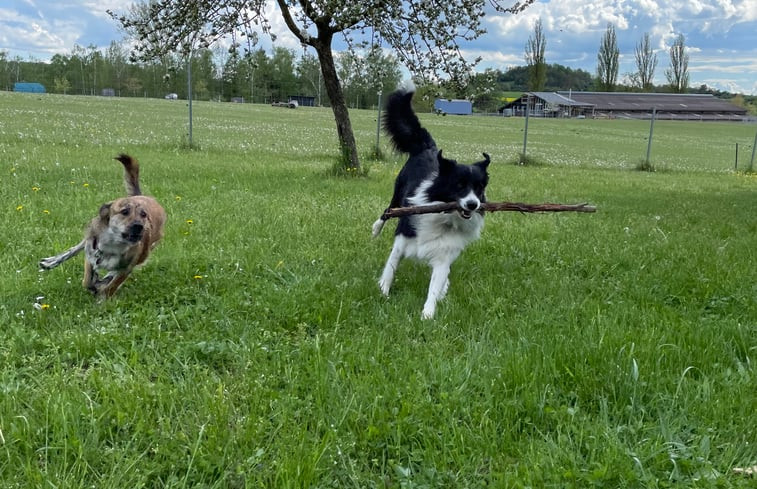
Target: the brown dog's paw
pixel 99 285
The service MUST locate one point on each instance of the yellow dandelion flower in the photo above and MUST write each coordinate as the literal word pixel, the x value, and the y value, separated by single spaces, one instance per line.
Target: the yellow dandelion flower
pixel 85 185
pixel 35 189
pixel 46 211
pixel 19 207
pixel 178 198
pixel 198 277
pixel 189 221
pixel 45 306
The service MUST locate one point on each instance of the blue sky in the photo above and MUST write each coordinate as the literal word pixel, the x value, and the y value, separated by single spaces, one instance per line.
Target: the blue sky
pixel 721 35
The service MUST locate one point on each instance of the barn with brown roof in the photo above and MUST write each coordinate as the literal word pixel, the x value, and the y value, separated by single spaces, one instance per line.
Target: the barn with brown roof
pixel 627 105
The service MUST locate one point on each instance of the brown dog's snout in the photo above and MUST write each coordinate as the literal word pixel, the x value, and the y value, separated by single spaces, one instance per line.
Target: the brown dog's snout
pixel 134 231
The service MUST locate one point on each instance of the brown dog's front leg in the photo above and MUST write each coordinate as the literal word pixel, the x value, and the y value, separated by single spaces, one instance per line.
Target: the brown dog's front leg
pixel 90 279
pixel 110 283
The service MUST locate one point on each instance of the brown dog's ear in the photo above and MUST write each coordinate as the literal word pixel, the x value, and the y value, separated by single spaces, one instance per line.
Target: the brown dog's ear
pixel 105 211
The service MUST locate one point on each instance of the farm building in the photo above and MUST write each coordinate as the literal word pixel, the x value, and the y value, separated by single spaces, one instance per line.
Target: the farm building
pixel 546 104
pixel 303 100
pixel 457 107
pixel 672 106
pixel 626 105
pixel 28 87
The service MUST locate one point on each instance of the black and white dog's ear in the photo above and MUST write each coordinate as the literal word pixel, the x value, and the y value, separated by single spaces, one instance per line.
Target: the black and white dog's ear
pixel 105 211
pixel 445 165
pixel 484 164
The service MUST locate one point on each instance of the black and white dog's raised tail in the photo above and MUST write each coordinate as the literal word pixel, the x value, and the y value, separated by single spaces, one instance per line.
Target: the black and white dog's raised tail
pixel 430 178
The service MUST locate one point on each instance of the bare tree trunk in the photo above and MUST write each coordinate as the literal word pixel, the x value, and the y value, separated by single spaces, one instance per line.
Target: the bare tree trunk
pixel 347 143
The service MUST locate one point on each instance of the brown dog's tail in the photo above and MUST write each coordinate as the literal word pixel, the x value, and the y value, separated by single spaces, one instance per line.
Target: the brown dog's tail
pixel 131 174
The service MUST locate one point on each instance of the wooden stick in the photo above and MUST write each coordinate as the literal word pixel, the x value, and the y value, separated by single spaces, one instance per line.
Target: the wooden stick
pixel 488 206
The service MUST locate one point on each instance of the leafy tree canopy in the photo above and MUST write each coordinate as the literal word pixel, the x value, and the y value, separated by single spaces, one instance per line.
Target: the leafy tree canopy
pixel 425 35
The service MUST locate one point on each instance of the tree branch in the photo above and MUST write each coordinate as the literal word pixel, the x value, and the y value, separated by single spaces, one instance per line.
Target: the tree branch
pixel 487 206
pixel 292 25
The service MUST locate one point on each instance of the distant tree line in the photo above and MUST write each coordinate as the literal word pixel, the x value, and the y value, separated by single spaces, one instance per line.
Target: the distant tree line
pixel 263 77
pixel 217 74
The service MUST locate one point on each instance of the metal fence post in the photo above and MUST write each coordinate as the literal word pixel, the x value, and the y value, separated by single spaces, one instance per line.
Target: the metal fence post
pixel 189 94
pixel 525 131
pixel 651 133
pixel 736 163
pixel 378 124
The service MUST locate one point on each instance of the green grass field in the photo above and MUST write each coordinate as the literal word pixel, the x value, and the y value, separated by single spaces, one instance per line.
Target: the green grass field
pixel 254 350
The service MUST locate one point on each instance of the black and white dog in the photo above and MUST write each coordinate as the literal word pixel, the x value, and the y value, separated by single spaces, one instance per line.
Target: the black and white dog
pixel 430 178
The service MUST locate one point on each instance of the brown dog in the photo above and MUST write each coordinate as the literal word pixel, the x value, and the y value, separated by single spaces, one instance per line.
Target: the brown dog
pixel 119 238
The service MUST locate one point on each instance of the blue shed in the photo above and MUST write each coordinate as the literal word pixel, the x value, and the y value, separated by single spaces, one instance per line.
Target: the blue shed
pixel 28 87
pixel 458 107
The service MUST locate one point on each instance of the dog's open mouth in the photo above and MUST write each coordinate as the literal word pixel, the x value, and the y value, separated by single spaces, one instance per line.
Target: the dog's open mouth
pixel 465 214
pixel 134 233
pixel 132 237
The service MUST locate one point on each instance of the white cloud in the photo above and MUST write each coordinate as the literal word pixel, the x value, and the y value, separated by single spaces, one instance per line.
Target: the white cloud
pixel 746 66
pixel 100 8
pixel 38 31
pixel 493 59
pixel 573 31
